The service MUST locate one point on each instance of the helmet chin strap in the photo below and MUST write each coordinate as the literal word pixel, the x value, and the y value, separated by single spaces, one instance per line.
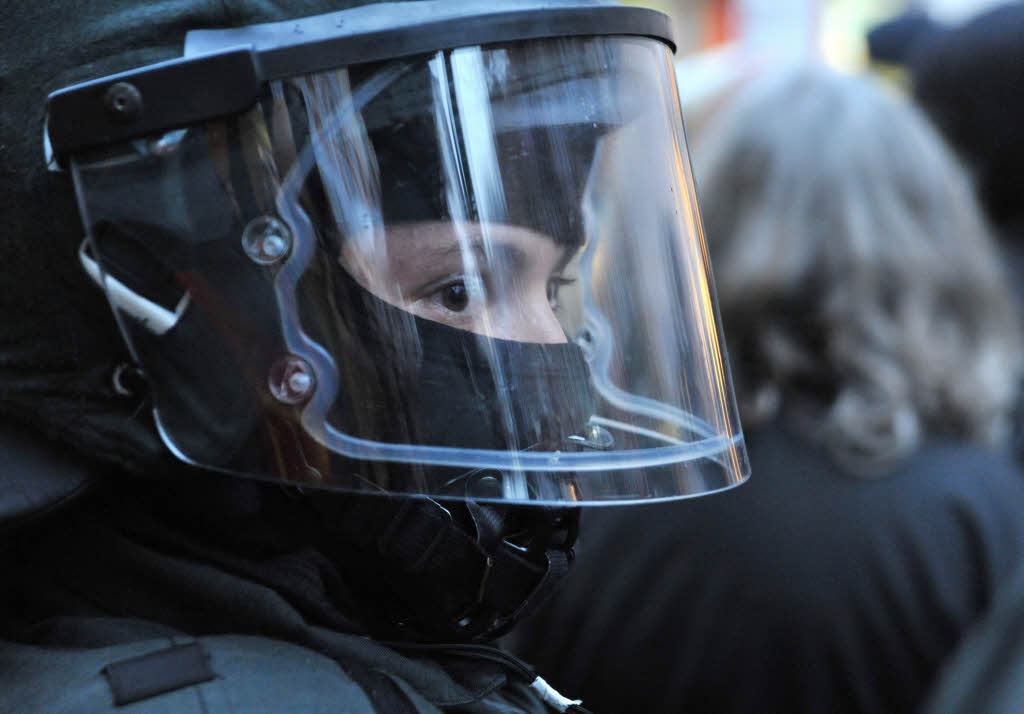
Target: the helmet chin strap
pixel 458 572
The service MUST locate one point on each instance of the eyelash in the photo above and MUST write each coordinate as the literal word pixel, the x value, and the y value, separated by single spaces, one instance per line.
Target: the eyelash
pixel 554 285
pixel 469 293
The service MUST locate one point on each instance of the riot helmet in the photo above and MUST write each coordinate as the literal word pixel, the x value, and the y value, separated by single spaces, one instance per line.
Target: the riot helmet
pixel 444 249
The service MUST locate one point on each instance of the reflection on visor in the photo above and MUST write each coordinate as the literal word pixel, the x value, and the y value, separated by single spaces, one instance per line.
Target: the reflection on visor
pixel 468 273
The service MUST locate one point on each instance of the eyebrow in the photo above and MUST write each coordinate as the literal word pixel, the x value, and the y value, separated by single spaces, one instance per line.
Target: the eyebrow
pixel 502 253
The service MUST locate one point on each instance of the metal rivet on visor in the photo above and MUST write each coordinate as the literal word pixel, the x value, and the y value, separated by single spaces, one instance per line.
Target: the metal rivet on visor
pixel 123 102
pixel 266 240
pixel 291 380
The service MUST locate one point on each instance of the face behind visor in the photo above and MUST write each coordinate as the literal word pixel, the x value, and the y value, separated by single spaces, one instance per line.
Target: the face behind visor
pixel 456 257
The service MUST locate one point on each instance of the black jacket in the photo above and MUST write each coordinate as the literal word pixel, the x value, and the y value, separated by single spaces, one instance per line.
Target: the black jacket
pixel 987 672
pixel 804 590
pixel 237 608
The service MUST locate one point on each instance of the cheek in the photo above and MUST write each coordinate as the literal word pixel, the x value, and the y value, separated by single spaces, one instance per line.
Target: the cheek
pixel 429 309
pixel 526 316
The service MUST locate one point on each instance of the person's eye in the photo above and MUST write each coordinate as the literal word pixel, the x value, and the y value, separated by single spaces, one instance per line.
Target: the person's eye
pixel 455 296
pixel 555 284
pixel 459 294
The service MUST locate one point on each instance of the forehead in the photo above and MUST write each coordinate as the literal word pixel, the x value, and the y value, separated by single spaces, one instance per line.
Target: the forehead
pixel 432 243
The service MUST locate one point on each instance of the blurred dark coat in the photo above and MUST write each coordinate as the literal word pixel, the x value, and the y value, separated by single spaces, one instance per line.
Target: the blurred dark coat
pixel 804 590
pixel 987 673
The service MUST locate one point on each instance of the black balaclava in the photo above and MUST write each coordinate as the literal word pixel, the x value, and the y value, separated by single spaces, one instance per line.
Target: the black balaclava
pixel 450 396
pixel 453 399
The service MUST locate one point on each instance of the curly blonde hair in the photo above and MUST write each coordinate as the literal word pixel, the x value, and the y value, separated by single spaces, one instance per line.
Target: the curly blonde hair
pixel 860 288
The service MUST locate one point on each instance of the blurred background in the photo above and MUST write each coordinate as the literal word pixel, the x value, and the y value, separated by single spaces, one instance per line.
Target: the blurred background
pixel 832 30
pixel 722 41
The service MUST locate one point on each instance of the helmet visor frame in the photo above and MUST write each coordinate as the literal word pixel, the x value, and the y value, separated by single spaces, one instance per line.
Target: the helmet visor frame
pixel 551 175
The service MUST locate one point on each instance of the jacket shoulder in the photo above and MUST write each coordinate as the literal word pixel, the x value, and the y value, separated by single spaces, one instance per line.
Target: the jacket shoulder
pixel 220 673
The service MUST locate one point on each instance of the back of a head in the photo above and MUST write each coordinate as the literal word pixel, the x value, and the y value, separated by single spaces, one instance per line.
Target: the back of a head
pixel 858 283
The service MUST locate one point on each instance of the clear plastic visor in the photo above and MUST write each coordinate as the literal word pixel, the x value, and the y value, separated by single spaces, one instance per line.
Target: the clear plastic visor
pixel 478 274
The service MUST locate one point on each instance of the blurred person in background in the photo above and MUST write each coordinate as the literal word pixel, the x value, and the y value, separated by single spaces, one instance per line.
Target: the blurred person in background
pixel 877 354
pixel 987 672
pixel 968 79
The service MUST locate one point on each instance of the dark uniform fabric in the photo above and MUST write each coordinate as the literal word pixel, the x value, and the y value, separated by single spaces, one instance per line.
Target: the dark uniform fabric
pixel 133 569
pixel 804 590
pixel 987 672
